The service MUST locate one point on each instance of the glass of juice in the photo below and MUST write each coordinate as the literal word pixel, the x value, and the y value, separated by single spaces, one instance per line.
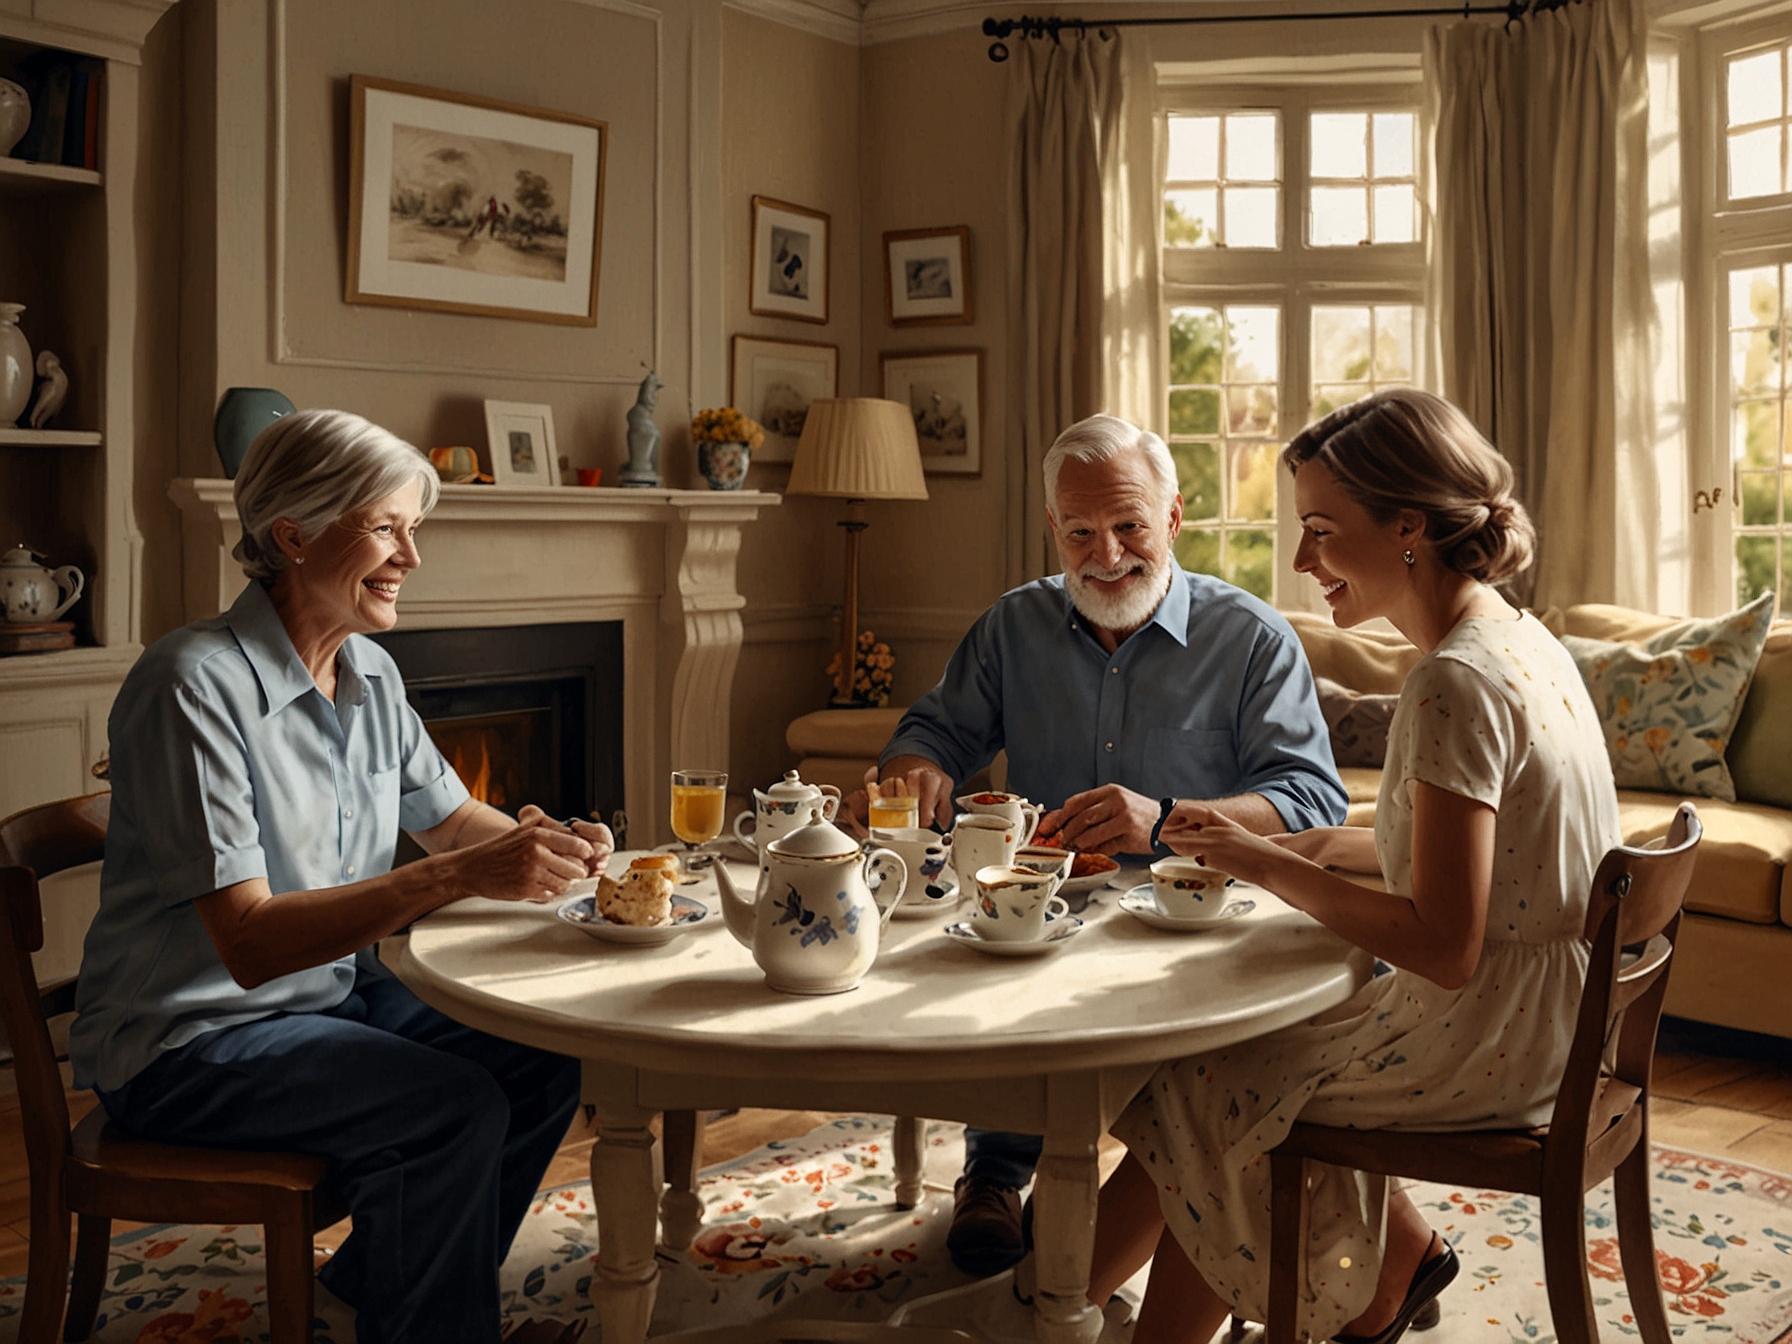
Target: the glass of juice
pixel 888 813
pixel 698 800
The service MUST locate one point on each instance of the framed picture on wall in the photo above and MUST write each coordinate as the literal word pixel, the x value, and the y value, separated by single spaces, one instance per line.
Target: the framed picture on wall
pixel 927 277
pixel 790 261
pixel 774 382
pixel 469 205
pixel 943 389
pixel 519 437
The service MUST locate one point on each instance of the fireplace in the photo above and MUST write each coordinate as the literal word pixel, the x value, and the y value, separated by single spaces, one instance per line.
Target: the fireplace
pixel 525 714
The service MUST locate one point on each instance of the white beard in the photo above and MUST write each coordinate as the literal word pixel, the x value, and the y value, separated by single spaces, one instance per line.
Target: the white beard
pixel 1122 612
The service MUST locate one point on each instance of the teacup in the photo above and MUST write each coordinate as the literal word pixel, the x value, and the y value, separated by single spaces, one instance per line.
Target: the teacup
pixel 1011 805
pixel 923 853
pixel 1188 890
pixel 1045 859
pixel 979 840
pixel 1013 903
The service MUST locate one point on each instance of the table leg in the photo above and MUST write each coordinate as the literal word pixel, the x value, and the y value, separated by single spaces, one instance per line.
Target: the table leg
pixel 625 1188
pixel 1064 1195
pixel 681 1208
pixel 910 1142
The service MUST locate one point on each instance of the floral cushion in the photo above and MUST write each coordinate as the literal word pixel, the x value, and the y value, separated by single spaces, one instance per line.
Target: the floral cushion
pixel 1358 723
pixel 1669 704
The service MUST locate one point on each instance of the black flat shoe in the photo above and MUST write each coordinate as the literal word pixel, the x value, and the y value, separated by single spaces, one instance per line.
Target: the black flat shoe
pixel 1431 1278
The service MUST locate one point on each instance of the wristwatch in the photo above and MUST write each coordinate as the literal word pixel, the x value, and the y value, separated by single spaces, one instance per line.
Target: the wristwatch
pixel 1165 806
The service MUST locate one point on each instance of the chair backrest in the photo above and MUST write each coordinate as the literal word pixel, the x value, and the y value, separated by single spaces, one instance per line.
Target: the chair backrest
pixel 34 844
pixel 1633 918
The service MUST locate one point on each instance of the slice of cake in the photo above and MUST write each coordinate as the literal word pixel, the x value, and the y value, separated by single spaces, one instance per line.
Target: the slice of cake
pixel 642 898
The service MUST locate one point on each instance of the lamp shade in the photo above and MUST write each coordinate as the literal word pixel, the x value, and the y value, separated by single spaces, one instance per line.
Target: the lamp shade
pixel 858 448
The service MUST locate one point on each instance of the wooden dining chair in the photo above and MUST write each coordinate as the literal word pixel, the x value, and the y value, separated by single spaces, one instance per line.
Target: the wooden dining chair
pixel 97 1170
pixel 1598 1129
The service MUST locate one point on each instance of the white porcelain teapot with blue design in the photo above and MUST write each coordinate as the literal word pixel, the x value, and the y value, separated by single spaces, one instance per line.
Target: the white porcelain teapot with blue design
pixel 814 923
pixel 30 592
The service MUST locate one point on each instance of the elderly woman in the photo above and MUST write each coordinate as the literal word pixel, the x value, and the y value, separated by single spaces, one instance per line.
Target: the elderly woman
pixel 263 763
pixel 1496 806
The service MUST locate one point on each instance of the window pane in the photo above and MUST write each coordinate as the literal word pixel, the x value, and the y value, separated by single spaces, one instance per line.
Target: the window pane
pixel 1760 498
pixel 1755 297
pixel 1254 481
pixel 1198 550
pixel 1194 149
pixel 1251 148
pixel 1755 88
pixel 1394 214
pixel 1393 343
pixel 1252 409
pixel 1327 399
pixel 1340 216
pixel 1755 567
pixel 1195 411
pixel 1755 433
pixel 1393 140
pixel 1754 362
pixel 1755 163
pixel 1251 561
pixel 1340 344
pixel 1251 216
pixel 1198 477
pixel 1255 356
pixel 1196 336
pixel 1191 217
pixel 1340 144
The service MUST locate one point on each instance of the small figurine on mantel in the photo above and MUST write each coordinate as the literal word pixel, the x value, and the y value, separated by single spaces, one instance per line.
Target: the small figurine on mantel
pixel 643 470
pixel 52 389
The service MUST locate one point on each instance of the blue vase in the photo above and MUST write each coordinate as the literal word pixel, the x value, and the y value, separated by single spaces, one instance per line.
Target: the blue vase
pixel 243 412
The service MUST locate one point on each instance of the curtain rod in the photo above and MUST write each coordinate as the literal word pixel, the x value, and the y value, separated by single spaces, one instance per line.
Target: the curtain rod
pixel 999 29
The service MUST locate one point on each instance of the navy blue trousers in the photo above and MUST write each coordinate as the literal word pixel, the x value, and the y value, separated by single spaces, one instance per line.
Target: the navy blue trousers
pixel 1006 1159
pixel 439 1135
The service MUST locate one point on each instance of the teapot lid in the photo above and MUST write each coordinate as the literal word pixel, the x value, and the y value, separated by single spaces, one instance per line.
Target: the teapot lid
pixel 21 555
pixel 790 789
pixel 815 839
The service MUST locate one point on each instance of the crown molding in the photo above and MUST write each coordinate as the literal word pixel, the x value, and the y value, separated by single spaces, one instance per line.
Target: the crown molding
pixel 114 29
pixel 836 20
pixel 894 20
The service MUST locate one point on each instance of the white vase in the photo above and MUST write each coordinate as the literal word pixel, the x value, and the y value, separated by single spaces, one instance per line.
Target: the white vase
pixel 16 373
pixel 15 114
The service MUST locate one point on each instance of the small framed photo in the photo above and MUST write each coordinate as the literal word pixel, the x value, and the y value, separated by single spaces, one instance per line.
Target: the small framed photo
pixel 774 382
pixel 944 391
pixel 927 277
pixel 519 435
pixel 469 205
pixel 790 261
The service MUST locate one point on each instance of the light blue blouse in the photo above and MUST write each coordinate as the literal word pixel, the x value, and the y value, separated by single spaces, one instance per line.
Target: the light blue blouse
pixel 1212 698
pixel 228 764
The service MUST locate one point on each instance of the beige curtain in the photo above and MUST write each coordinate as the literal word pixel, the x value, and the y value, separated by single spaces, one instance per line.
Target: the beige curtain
pixel 1539 278
pixel 1063 100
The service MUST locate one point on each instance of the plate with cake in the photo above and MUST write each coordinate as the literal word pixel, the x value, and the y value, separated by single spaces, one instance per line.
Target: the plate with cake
pixel 641 907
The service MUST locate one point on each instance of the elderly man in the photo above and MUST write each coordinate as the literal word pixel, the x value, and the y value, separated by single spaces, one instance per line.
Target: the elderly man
pixel 1123 690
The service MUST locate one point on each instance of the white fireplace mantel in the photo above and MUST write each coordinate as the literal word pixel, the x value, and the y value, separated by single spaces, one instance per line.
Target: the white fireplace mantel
pixel 660 561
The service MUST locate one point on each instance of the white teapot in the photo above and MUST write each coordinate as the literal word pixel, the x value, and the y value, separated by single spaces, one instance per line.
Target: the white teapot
pixel 779 810
pixel 29 592
pixel 813 923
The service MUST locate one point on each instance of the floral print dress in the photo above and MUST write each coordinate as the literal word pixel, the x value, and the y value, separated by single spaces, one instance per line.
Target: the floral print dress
pixel 1497 713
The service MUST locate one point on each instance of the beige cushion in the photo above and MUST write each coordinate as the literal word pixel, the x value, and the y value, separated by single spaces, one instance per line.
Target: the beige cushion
pixel 843 732
pixel 1760 750
pixel 1743 858
pixel 1363 660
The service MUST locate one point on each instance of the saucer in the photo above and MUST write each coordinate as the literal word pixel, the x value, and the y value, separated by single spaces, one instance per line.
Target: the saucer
pixel 927 909
pixel 581 913
pixel 1057 932
pixel 1090 881
pixel 1141 904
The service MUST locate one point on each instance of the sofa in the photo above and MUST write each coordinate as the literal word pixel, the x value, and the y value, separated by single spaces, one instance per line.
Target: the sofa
pixel 1734 957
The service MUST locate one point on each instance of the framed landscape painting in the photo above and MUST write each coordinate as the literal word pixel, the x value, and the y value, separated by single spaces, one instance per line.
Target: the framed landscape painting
pixel 927 277
pixel 774 382
pixel 943 389
pixel 790 261
pixel 519 436
pixel 470 205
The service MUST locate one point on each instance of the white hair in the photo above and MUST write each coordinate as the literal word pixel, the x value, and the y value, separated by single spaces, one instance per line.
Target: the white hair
pixel 313 467
pixel 1099 438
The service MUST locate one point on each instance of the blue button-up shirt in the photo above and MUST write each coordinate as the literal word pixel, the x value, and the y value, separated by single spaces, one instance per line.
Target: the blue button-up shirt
pixel 1211 699
pixel 229 764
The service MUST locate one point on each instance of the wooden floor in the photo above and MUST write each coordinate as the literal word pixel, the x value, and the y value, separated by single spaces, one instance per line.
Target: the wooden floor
pixel 1716 1091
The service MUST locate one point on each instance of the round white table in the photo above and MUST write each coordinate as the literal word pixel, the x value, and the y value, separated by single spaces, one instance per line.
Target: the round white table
pixel 1055 1046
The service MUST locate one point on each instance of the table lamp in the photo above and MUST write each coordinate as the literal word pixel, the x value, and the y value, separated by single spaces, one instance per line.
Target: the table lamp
pixel 856 448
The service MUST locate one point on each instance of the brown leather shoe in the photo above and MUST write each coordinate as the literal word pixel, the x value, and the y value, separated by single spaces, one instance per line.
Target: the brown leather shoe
pixel 986 1237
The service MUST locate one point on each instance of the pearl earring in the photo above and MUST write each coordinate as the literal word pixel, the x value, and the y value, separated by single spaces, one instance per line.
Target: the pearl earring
pixel 299 559
pixel 1408 557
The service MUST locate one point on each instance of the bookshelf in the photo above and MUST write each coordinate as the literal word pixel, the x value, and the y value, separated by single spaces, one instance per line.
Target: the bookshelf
pixel 71 259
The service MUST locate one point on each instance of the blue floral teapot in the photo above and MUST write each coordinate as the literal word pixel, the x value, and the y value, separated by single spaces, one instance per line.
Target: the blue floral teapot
pixel 814 923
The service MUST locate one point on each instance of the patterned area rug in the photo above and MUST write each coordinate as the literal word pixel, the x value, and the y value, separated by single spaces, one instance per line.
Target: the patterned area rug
pixel 807 1229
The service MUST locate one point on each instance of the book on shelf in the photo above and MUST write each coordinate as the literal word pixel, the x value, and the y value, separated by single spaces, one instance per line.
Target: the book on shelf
pixel 80 138
pixel 49 80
